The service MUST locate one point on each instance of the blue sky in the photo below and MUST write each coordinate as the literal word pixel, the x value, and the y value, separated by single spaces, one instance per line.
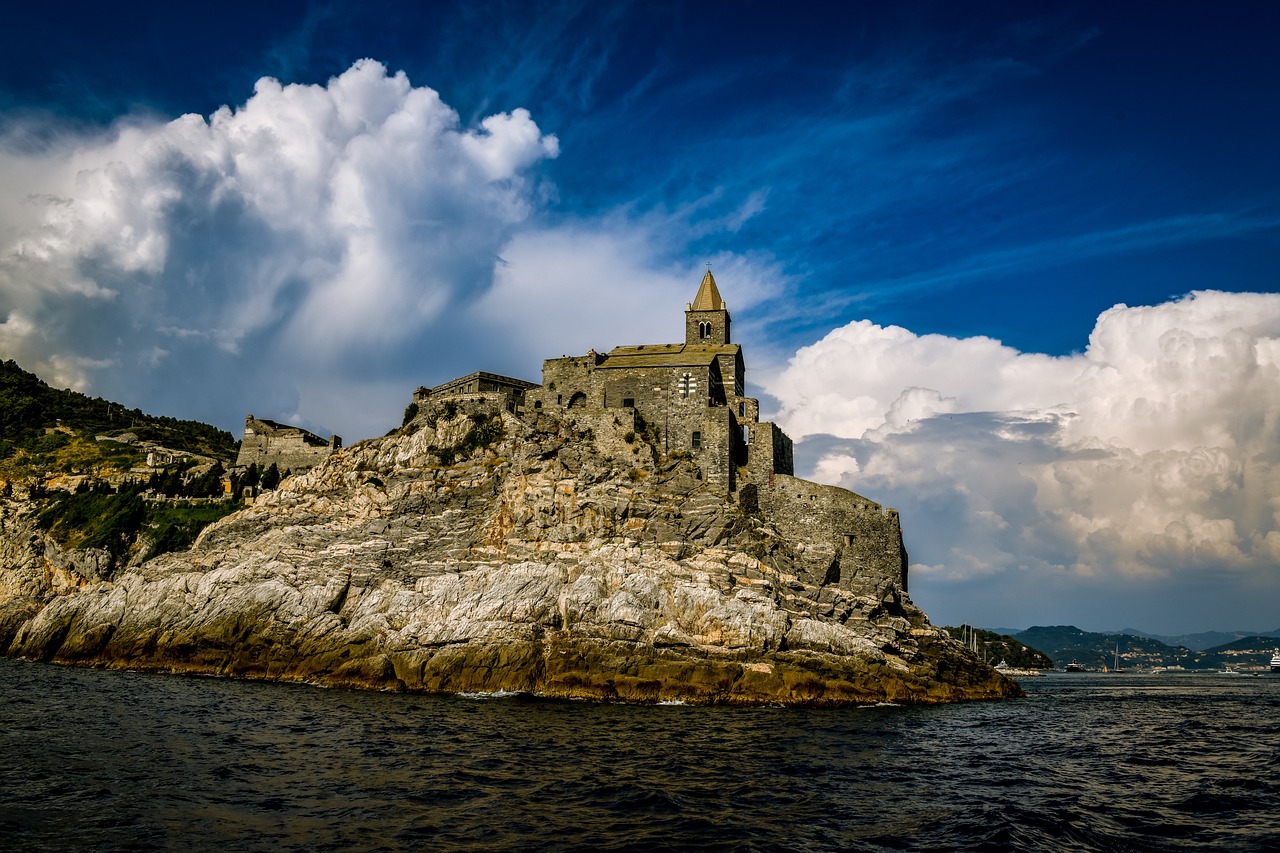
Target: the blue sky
pixel 923 216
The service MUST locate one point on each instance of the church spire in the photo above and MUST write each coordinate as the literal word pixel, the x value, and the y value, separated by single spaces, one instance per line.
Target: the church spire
pixel 706 319
pixel 708 298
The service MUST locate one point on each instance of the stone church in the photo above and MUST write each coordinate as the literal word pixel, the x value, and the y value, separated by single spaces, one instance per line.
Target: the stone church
pixel 692 393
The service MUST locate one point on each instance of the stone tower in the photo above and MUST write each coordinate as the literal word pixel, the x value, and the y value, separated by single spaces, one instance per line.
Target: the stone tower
pixel 706 319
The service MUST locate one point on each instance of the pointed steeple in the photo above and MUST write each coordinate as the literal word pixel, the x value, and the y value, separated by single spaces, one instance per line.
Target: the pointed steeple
pixel 708 298
pixel 706 319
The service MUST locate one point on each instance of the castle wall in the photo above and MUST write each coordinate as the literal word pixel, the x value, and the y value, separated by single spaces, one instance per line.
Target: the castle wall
pixel 768 450
pixel 512 391
pixel 850 541
pixel 734 372
pixel 718 431
pixel 563 379
pixel 289 448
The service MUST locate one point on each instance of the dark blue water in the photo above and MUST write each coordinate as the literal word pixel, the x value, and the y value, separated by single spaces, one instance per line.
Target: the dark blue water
pixel 95 760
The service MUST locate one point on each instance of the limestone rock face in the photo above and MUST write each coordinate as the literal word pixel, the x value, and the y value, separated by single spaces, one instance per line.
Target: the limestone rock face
pixel 549 558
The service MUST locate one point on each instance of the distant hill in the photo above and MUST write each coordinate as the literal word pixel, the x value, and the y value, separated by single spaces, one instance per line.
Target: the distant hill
pixel 1203 640
pixel 993 648
pixel 1066 643
pixel 47 430
pixel 91 474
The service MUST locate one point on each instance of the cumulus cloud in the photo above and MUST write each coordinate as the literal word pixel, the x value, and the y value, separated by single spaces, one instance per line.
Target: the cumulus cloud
pixel 1151 460
pixel 601 283
pixel 263 256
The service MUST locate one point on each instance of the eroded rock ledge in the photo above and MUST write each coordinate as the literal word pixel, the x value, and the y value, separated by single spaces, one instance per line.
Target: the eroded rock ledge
pixel 560 559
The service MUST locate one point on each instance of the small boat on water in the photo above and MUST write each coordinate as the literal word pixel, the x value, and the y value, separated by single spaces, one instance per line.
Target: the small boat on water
pixel 1275 660
pixel 1075 666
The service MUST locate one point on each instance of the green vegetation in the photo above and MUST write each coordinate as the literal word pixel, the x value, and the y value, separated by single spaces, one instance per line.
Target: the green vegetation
pixel 48 432
pixel 1095 650
pixel 29 409
pixel 993 648
pixel 100 517
pixel 174 527
pixel 410 412
pixel 270 477
pixel 485 429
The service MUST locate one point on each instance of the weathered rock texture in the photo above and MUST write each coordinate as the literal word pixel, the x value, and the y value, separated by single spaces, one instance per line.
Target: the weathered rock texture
pixel 559 559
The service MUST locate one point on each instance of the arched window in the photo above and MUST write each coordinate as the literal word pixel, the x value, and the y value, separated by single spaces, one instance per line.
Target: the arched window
pixel 704 330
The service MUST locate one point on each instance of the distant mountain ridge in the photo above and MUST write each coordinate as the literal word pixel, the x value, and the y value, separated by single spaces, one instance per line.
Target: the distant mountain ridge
pixel 1135 650
pixel 1197 642
pixel 1203 640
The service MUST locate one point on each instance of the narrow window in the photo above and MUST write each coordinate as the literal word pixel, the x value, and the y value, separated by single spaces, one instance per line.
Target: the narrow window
pixel 848 539
pixel 697 440
pixel 704 330
pixel 746 434
pixel 628 402
pixel 537 404
pixel 742 410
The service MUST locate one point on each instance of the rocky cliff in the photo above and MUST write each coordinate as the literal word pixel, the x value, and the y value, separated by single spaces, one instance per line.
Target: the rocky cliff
pixel 478 551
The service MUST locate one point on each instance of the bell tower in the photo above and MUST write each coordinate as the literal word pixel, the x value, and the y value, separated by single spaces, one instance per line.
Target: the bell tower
pixel 706 319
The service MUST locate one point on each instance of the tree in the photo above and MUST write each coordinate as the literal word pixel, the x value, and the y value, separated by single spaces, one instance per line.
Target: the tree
pixel 271 477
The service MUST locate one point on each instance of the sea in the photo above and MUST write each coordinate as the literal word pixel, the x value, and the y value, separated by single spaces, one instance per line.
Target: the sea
pixel 111 760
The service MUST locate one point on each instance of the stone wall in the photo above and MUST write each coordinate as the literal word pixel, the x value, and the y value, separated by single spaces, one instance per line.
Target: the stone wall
pixel 850 541
pixel 512 391
pixel 767 450
pixel 718 320
pixel 563 379
pixel 290 448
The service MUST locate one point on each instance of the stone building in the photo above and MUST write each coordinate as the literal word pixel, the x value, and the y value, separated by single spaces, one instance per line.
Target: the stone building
pixel 290 448
pixel 480 384
pixel 693 395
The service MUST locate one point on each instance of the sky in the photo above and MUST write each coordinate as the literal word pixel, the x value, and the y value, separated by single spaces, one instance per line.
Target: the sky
pixel 1010 268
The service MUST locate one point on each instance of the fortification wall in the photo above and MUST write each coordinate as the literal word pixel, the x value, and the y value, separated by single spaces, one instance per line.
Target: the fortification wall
pixel 288 448
pixel 767 450
pixel 563 379
pixel 719 432
pixel 511 390
pixel 849 541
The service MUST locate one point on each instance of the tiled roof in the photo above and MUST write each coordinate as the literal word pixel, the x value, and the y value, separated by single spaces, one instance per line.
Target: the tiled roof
pixel 665 355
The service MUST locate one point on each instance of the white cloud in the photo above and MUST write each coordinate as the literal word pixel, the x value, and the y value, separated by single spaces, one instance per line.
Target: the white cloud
pixel 1152 458
pixel 311 234
pixel 599 284
pixel 317 252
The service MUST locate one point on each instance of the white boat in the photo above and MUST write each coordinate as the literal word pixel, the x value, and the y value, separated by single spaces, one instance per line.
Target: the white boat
pixel 1275 660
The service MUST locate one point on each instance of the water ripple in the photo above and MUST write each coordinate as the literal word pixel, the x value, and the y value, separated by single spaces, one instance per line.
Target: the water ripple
pixel 124 761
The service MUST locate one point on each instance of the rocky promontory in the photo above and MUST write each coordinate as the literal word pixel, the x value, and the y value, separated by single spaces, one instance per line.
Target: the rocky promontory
pixel 474 550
